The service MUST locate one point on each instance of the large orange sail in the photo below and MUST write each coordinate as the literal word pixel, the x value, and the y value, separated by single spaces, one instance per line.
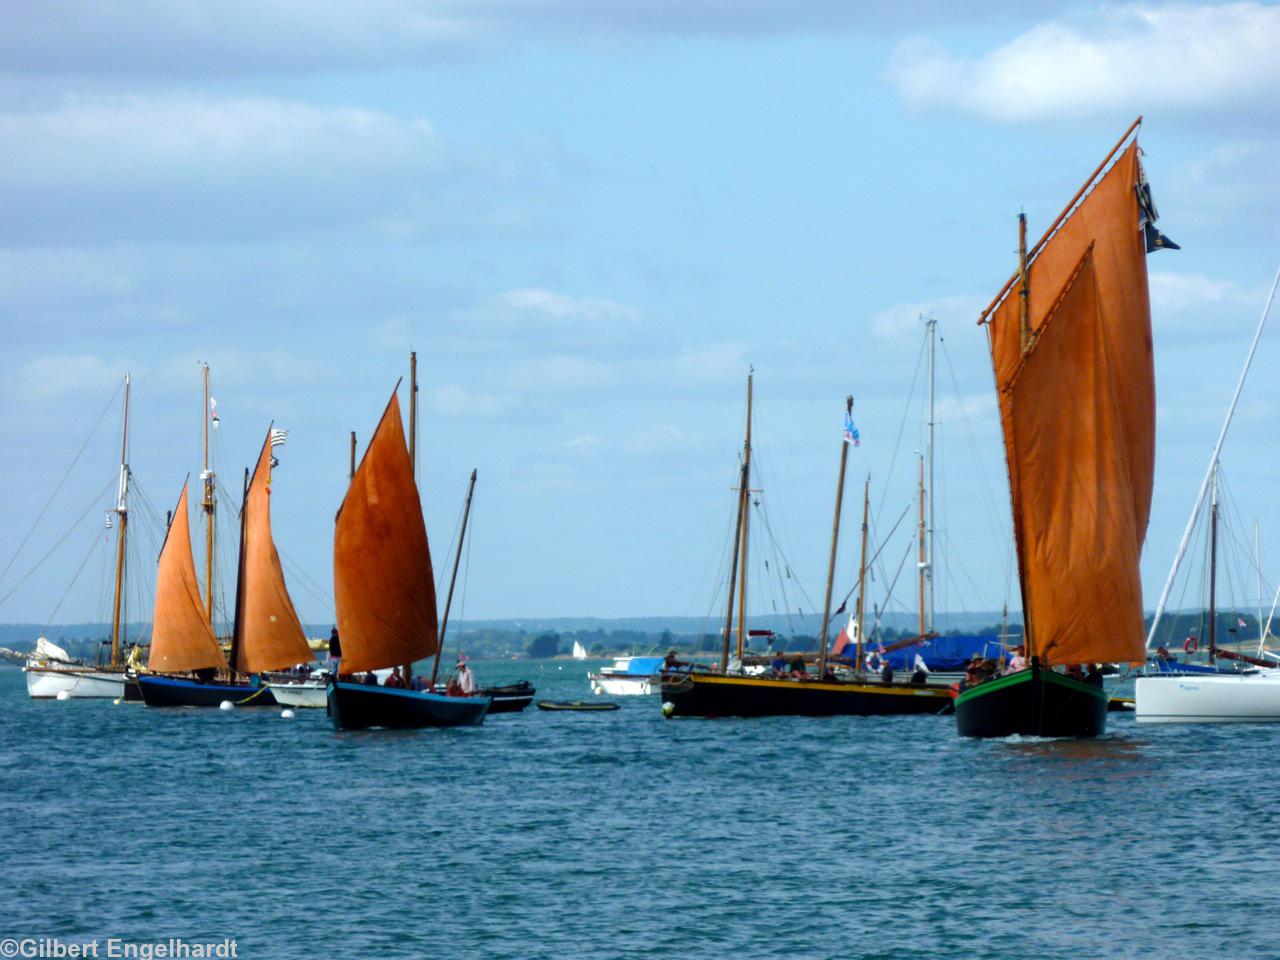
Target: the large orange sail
pixel 181 638
pixel 1077 406
pixel 270 636
pixel 384 590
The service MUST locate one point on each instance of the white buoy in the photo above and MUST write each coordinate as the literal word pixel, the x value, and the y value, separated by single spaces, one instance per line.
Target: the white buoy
pixel 286 714
pixel 668 709
pixel 226 705
pixel 116 701
pixel 64 695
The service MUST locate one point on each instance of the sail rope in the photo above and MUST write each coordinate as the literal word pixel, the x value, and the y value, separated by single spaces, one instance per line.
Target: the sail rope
pixel 93 546
pixel 76 459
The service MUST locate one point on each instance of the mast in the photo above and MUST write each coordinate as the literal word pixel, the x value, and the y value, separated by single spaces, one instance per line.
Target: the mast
pixel 931 325
pixel 1257 563
pixel 1213 463
pixel 208 504
pixel 733 569
pixel 921 564
pixel 1213 569
pixel 457 560
pixel 862 573
pixel 407 669
pixel 1024 324
pixel 237 626
pixel 122 511
pixel 835 541
pixel 351 473
pixel 746 522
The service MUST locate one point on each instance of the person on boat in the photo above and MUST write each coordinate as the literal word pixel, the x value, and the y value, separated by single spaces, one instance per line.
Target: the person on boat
pixel 466 680
pixel 973 672
pixel 370 679
pixel 779 665
pixel 1094 675
pixel 670 663
pixel 797 666
pixel 886 672
pixel 1018 661
pixel 395 681
pixel 419 683
pixel 920 671
pixel 335 647
pixel 1075 671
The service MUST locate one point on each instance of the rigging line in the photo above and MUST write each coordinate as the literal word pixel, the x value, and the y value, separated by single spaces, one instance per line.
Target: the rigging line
pixel 893 583
pixel 902 426
pixel 778 546
pixel 93 546
pixel 48 503
pixel 883 544
pixel 97 500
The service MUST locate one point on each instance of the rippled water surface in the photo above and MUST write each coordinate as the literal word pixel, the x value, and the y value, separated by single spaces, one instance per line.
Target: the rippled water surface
pixel 625 835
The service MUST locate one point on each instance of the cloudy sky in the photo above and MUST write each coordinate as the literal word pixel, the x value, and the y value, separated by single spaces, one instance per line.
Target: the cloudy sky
pixel 590 219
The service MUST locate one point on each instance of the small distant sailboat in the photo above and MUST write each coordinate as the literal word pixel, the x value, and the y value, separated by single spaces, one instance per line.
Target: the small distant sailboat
pixel 384 593
pixel 1070 338
pixel 579 651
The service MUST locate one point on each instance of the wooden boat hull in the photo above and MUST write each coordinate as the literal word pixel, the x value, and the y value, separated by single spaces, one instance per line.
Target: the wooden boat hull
pixel 512 698
pixel 356 706
pixel 160 691
pixel 1032 703
pixel 714 695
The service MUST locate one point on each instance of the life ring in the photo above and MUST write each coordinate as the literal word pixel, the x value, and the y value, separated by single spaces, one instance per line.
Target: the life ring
pixel 1192 645
pixel 874 662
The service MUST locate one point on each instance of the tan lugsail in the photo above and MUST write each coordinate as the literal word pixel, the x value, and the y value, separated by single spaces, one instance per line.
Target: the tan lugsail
pixel 270 636
pixel 384 591
pixel 1078 411
pixel 181 638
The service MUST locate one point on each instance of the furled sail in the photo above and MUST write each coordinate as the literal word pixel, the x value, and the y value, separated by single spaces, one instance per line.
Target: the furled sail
pixel 181 638
pixel 384 590
pixel 1077 405
pixel 270 636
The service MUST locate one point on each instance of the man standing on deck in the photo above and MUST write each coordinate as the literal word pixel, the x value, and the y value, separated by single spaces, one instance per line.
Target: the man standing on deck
pixel 466 682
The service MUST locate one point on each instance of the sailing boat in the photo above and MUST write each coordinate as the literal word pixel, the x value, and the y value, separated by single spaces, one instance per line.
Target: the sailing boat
pixel 384 593
pixel 51 672
pixel 579 651
pixel 1070 339
pixel 733 692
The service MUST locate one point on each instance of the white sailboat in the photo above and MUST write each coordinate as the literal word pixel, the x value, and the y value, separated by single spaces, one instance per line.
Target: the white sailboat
pixel 1250 697
pixel 579 651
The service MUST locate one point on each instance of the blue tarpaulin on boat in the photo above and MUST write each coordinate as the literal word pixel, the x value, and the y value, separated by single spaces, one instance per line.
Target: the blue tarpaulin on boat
pixel 1173 666
pixel 644 665
pixel 948 653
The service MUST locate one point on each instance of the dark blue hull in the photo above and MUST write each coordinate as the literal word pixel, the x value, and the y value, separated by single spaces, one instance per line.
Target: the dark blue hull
pixel 177 692
pixel 1034 703
pixel 355 706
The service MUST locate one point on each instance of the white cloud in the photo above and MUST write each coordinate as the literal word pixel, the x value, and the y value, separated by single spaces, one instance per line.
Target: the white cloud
pixel 57 377
pixel 559 374
pixel 564 307
pixel 905 318
pixel 1175 55
pixel 1178 292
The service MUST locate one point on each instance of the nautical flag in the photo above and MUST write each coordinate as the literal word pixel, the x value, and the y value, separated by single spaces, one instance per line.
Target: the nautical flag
pixel 213 410
pixel 845 638
pixel 1148 215
pixel 278 436
pixel 1240 622
pixel 851 434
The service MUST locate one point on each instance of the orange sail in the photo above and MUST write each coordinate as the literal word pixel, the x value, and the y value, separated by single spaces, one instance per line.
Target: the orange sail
pixel 384 590
pixel 1077 405
pixel 181 638
pixel 269 634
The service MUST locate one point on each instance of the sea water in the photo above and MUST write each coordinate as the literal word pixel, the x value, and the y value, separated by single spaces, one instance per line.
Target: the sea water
pixel 603 835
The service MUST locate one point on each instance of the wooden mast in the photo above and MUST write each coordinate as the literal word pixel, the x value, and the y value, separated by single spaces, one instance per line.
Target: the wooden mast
pixel 737 545
pixel 862 574
pixel 122 512
pixel 746 523
pixel 237 625
pixel 835 542
pixel 208 505
pixel 921 562
pixel 1024 323
pixel 453 578
pixel 1213 570
pixel 407 669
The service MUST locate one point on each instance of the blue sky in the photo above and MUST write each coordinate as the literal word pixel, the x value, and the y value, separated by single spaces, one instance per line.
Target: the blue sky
pixel 589 220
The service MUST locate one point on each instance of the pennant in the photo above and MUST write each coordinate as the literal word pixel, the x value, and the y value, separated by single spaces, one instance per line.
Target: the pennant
pixel 851 434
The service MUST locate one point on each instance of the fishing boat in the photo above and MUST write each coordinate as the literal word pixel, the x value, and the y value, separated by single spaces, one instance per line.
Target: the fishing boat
pixel 384 592
pixel 743 692
pixel 1070 341
pixel 51 672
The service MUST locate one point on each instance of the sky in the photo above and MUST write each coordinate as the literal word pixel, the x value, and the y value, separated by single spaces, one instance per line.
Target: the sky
pixel 590 221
